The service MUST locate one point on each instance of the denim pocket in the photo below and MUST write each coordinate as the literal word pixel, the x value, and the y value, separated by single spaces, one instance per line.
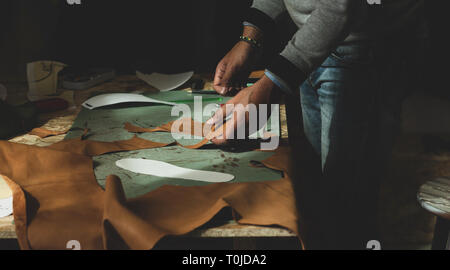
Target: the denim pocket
pixel 353 54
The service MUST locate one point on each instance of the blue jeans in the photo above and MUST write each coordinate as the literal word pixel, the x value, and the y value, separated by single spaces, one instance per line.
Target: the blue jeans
pixel 336 102
pixel 351 113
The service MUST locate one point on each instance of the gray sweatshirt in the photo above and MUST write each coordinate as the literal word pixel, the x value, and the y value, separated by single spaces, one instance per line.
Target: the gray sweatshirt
pixel 325 24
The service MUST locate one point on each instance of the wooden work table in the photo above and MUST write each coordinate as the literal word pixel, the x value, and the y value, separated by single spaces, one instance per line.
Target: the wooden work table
pixel 63 120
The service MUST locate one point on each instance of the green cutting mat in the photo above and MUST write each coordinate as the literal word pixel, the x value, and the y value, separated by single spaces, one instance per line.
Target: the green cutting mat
pixel 106 124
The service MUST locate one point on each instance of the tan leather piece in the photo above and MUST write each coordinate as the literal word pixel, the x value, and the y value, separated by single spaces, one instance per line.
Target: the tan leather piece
pixel 195 146
pixel 277 207
pixel 169 210
pixel 44 133
pixel 57 199
pixel 135 129
pixel 184 125
pixel 58 196
pixel 96 148
pixel 186 208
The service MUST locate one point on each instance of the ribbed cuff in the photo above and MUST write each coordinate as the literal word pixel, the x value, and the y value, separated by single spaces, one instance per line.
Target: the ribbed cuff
pixel 278 82
pixel 287 72
pixel 251 25
pixel 261 21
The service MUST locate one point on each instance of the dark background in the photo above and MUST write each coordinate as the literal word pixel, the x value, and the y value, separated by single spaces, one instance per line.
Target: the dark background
pixel 163 35
pixel 150 35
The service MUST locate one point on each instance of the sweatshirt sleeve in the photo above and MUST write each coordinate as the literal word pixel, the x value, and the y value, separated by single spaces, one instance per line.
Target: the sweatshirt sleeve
pixel 328 25
pixel 263 13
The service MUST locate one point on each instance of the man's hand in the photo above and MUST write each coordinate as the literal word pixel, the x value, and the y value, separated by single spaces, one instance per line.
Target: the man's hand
pixel 263 91
pixel 233 70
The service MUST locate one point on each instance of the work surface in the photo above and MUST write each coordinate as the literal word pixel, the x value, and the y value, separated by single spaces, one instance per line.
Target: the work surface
pixel 402 221
pixel 107 125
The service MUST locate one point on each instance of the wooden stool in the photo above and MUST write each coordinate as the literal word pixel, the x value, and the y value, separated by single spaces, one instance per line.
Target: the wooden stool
pixel 434 196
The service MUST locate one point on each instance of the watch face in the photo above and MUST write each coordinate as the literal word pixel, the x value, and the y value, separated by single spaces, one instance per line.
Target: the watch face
pixel 3 92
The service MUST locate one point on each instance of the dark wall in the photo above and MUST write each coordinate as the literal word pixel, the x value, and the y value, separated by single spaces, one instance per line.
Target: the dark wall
pixel 149 35
pixel 27 30
pixel 437 53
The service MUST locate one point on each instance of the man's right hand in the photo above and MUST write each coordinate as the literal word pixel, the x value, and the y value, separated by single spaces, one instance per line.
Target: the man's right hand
pixel 233 70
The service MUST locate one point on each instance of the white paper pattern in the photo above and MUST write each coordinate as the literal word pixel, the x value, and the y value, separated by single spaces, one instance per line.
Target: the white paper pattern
pixel 165 82
pixel 163 169
pixel 117 98
pixel 6 207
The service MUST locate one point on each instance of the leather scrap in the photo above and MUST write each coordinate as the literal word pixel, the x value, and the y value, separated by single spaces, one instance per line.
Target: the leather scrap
pixel 57 200
pixel 96 148
pixel 44 133
pixel 185 125
pixel 135 129
pixel 52 191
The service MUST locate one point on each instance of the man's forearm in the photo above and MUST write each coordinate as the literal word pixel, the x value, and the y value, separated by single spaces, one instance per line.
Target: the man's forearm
pixel 262 15
pixel 253 33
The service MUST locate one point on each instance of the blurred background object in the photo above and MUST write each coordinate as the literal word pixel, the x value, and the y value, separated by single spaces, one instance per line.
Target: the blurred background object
pixel 42 77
